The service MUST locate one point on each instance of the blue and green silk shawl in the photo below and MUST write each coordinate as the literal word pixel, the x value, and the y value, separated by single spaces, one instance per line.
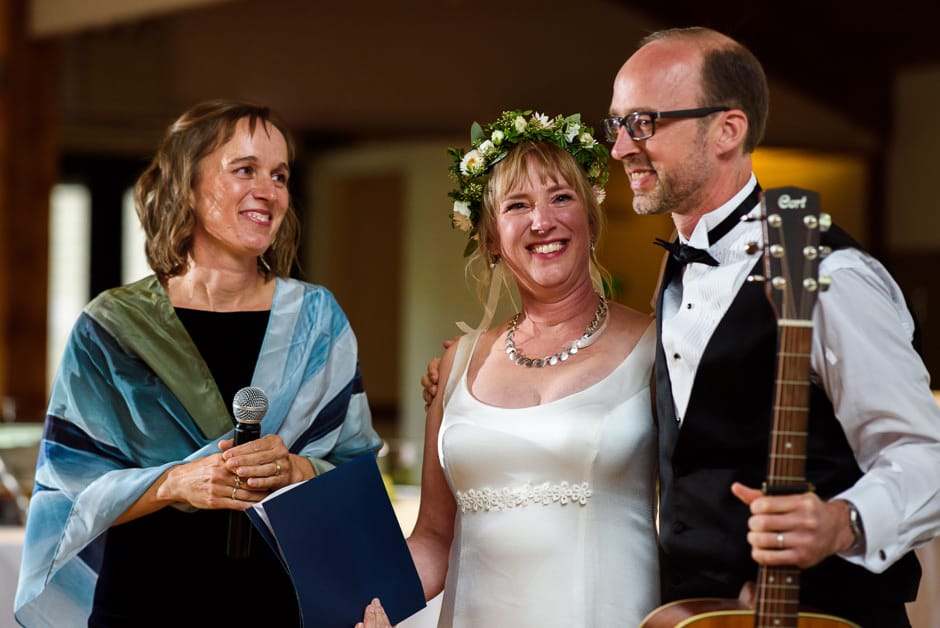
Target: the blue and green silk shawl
pixel 133 397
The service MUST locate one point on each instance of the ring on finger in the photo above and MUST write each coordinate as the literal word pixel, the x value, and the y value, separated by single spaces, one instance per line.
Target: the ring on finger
pixel 238 482
pixel 779 540
pixel 277 468
pixel 233 492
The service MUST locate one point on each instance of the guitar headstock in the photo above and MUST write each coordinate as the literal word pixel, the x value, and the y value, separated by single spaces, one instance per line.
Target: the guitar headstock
pixel 792 223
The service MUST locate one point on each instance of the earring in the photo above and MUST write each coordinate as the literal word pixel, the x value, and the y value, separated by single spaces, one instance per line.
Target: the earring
pixel 494 259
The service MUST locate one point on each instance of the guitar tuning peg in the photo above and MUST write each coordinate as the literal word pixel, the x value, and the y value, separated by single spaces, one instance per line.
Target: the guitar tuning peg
pixel 825 221
pixel 751 247
pixel 756 278
pixel 779 283
pixel 824 283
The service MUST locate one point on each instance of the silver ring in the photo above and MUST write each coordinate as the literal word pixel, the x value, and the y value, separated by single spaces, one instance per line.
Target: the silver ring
pixel 233 492
pixel 238 482
pixel 779 540
pixel 277 468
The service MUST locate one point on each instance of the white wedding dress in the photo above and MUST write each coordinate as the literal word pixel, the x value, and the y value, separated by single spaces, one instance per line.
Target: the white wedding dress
pixel 555 523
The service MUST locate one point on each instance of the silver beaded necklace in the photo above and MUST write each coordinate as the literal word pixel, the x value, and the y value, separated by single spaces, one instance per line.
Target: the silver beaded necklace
pixel 591 332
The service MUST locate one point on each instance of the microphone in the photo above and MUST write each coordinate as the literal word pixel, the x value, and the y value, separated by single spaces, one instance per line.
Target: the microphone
pixel 249 406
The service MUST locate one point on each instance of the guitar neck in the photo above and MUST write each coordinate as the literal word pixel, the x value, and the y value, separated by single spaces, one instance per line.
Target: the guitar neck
pixel 778 597
pixel 778 588
pixel 786 467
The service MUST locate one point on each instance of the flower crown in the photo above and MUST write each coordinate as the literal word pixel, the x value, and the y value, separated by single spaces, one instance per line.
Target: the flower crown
pixel 489 145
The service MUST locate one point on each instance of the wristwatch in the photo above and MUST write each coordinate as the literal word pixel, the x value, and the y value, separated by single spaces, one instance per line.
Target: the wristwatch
pixel 858 532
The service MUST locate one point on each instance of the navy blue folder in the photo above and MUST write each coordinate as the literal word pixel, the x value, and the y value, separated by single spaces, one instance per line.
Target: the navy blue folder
pixel 339 538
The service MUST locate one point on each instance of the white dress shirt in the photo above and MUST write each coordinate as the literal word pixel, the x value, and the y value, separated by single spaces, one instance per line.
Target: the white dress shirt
pixel 862 357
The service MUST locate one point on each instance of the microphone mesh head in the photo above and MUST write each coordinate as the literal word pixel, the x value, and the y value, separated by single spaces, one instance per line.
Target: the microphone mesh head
pixel 249 405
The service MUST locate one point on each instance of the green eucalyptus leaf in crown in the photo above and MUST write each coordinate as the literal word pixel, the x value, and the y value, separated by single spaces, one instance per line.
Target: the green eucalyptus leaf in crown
pixel 490 144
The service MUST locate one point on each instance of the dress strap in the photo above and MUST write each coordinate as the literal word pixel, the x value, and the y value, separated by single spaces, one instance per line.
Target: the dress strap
pixel 458 371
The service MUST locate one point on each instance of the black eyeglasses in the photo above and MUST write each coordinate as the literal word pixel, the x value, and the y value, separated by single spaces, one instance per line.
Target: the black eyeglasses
pixel 641 125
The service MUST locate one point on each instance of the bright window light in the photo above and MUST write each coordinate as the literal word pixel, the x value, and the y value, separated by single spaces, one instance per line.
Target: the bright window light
pixel 69 262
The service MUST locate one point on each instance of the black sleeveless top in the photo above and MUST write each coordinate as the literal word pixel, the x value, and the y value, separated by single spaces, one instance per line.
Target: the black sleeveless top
pixel 170 567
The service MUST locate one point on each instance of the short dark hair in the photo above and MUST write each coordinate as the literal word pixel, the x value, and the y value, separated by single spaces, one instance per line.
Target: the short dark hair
pixel 731 76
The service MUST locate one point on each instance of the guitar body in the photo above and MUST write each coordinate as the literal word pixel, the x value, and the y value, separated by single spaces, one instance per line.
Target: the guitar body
pixel 726 613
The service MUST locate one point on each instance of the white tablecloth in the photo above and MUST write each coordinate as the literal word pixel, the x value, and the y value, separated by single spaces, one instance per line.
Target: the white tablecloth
pixel 11 549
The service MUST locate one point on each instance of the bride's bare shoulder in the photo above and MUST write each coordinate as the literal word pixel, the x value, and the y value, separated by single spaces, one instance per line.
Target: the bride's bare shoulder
pixel 628 319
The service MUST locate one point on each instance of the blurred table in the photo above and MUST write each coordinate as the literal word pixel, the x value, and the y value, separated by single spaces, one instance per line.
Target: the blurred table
pixel 19 446
pixel 405 500
pixel 925 612
pixel 11 550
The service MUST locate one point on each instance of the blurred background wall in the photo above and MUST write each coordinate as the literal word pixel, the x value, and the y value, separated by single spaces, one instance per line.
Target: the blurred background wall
pixel 375 92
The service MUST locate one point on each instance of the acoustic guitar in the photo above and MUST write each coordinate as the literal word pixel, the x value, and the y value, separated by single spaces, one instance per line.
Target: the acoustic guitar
pixel 791 225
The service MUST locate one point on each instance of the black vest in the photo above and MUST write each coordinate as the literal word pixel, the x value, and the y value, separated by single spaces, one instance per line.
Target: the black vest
pixel 724 438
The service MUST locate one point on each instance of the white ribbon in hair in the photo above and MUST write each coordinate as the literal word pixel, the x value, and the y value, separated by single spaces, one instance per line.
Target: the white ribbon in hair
pixel 498 279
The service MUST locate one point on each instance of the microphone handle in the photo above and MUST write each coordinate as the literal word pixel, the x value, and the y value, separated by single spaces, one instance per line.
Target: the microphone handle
pixel 247 432
pixel 239 525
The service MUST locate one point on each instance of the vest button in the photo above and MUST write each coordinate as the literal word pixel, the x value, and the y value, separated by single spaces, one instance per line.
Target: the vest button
pixel 676 356
pixel 678 527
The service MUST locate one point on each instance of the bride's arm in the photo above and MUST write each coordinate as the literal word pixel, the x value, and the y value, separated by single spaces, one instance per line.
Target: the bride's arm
pixel 434 529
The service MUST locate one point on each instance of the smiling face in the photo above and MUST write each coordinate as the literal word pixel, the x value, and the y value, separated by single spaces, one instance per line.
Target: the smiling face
pixel 544 234
pixel 668 171
pixel 240 196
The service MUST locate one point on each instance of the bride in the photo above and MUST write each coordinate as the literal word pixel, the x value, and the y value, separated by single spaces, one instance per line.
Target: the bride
pixel 537 494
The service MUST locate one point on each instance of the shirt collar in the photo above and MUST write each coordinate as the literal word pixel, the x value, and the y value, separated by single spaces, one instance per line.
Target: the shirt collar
pixel 711 219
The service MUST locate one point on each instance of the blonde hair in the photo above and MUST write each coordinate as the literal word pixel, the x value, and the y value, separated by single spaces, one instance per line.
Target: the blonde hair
pixel 552 162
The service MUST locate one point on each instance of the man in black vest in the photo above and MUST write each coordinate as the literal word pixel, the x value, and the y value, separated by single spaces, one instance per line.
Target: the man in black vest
pixel 688 109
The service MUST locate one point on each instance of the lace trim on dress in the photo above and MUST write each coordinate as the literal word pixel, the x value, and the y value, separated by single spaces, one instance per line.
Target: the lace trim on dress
pixel 505 498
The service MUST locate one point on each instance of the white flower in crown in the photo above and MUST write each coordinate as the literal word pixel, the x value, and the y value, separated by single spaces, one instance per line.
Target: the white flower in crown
pixel 488 144
pixel 461 216
pixel 472 163
pixel 600 194
pixel 587 139
pixel 540 120
pixel 486 147
pixel 571 132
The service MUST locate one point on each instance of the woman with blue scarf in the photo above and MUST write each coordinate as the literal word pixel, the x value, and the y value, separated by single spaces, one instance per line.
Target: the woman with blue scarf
pixel 138 474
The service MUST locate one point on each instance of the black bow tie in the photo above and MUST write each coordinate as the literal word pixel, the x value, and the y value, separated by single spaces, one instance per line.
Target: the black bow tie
pixel 685 254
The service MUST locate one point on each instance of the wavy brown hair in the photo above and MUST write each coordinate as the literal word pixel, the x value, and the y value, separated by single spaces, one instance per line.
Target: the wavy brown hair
pixel 162 191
